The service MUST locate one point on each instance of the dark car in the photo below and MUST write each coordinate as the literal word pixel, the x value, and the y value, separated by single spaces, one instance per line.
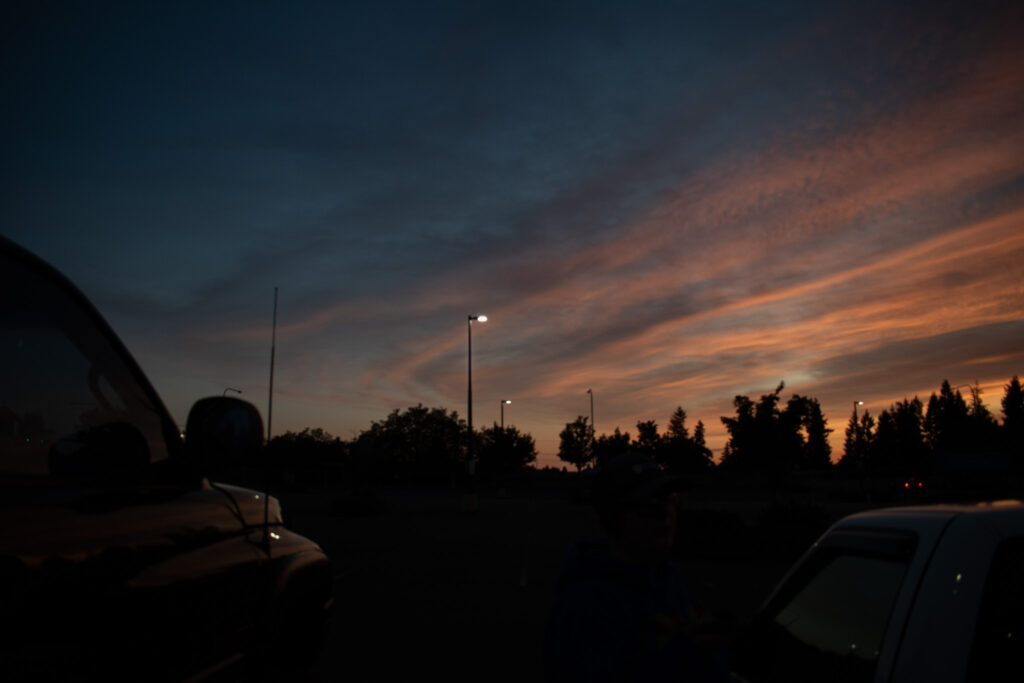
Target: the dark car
pixel 119 557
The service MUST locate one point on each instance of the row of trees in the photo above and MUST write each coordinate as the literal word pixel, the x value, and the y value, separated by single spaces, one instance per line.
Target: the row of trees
pixel 769 436
pixel 418 443
pixel 675 450
pixel 772 437
pixel 908 438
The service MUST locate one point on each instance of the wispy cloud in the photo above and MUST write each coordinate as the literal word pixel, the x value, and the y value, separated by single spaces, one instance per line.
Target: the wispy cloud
pixel 669 205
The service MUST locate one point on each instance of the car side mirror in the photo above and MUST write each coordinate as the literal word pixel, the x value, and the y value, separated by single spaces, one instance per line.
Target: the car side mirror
pixel 222 433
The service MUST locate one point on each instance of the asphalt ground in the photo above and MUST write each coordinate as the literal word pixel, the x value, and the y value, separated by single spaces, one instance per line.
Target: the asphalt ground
pixel 425 588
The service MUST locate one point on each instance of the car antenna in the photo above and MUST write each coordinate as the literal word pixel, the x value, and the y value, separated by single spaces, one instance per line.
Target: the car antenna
pixel 270 415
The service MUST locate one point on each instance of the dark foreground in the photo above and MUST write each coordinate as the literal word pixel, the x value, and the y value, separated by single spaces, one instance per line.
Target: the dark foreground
pixel 422 588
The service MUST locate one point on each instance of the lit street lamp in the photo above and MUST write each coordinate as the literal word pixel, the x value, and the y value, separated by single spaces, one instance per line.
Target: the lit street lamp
pixel 469 376
pixel 469 503
pixel 503 403
pixel 855 404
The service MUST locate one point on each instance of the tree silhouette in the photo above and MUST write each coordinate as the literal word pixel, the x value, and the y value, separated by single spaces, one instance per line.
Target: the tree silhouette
pixel 946 424
pixel 700 446
pixel 677 430
pixel 310 448
pixel 1013 423
pixel 982 428
pixel 648 440
pixel 504 450
pixel 766 439
pixel 679 452
pixel 608 447
pixel 576 443
pixel 740 450
pixel 857 444
pixel 814 449
pixel 898 445
pixel 420 441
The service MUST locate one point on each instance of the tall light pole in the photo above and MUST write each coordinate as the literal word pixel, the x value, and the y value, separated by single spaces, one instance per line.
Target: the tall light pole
pixel 503 402
pixel 593 432
pixel 855 404
pixel 469 377
pixel 591 392
pixel 469 503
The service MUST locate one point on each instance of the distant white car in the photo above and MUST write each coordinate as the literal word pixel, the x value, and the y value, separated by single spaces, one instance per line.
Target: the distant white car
pixel 932 593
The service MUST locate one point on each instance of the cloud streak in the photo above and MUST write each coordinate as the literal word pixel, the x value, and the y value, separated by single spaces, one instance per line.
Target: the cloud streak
pixel 671 208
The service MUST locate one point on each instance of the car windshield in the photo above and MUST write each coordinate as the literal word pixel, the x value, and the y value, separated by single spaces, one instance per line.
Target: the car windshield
pixel 69 403
pixel 829 621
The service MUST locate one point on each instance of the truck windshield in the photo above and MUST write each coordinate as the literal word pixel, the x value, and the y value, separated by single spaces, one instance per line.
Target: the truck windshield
pixel 69 403
pixel 829 621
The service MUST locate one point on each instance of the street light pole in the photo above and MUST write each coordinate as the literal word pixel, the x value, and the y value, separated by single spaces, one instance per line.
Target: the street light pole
pixel 470 503
pixel 469 376
pixel 503 402
pixel 592 430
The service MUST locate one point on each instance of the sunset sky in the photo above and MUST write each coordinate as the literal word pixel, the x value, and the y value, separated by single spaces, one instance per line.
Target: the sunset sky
pixel 667 203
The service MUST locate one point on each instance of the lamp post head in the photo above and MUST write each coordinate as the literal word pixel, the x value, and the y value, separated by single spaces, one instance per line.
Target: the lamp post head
pixel 479 318
pixel 506 401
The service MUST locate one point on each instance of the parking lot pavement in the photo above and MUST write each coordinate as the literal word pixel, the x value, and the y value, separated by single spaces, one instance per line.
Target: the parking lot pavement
pixel 421 587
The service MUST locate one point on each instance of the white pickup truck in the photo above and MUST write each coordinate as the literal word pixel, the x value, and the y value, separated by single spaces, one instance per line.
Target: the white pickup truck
pixel 931 593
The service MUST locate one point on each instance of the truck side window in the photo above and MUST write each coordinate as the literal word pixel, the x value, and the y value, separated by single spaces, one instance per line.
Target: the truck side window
pixel 999 636
pixel 69 403
pixel 828 624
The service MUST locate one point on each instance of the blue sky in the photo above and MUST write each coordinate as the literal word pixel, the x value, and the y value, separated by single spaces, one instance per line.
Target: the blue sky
pixel 669 203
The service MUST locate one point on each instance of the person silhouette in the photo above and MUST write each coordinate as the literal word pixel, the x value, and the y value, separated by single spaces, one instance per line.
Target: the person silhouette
pixel 622 611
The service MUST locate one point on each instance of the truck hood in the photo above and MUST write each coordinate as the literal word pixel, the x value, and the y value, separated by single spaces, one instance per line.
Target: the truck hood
pixel 252 505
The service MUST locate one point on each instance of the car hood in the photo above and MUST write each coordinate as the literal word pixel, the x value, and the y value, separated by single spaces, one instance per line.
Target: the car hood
pixel 253 506
pixel 78 527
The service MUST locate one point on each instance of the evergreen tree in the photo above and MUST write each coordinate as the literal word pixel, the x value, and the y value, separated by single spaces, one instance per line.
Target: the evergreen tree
pixel 899 446
pixel 982 428
pixel 884 456
pixel 816 453
pixel 677 430
pixel 680 452
pixel 946 422
pixel 648 440
pixel 1013 423
pixel 858 441
pixel 700 446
